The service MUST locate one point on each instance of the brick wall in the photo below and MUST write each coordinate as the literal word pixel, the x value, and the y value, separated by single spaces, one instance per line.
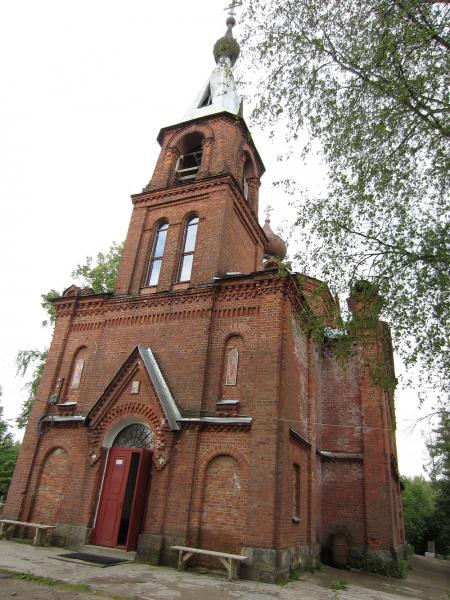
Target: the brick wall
pixel 50 487
pixel 343 503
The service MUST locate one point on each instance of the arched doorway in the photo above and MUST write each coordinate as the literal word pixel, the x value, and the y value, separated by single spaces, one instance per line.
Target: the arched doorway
pixel 125 486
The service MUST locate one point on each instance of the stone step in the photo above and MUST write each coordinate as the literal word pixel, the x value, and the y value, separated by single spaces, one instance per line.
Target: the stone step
pixel 112 552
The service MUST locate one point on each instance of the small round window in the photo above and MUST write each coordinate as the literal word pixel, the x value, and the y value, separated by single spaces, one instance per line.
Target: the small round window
pixel 137 435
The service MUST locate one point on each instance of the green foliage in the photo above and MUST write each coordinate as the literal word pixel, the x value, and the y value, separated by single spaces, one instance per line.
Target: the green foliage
pixel 28 576
pixel 426 504
pixel 393 568
pixel 295 574
pixel 29 361
pixel 338 585
pixel 100 276
pixel 48 306
pixel 9 450
pixel 419 499
pixel 49 581
pixel 342 338
pixel 309 564
pixel 439 450
pixel 368 84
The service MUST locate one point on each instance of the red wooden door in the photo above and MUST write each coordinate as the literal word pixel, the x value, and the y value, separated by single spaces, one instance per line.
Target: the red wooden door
pixel 122 502
pixel 140 496
pixel 110 509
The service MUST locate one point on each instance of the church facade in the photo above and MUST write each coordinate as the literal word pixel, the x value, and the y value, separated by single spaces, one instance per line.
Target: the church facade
pixel 191 405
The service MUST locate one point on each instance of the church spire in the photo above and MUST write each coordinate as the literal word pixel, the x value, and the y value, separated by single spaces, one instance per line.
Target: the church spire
pixel 220 93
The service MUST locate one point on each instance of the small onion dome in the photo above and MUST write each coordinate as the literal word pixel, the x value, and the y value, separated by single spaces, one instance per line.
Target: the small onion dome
pixel 275 246
pixel 271 263
pixel 227 46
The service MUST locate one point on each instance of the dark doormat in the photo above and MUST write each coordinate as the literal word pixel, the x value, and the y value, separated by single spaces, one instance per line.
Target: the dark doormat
pixel 96 560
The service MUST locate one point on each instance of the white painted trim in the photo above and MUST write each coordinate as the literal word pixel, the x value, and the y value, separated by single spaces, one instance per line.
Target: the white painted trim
pixel 112 433
pixel 101 490
pixel 217 420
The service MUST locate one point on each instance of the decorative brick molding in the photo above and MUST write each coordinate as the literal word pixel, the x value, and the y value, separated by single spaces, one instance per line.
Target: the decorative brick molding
pixel 157 424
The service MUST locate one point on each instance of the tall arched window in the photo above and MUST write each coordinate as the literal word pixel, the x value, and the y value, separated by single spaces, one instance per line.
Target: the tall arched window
pixel 76 373
pixel 232 367
pixel 247 174
pixel 187 255
pixel 157 255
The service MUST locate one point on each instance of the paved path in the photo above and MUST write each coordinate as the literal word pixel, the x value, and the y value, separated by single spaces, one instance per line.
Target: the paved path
pixel 429 580
pixel 10 587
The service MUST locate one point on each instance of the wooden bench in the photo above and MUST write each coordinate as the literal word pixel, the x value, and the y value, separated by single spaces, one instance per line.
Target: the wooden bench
pixel 230 561
pixel 7 526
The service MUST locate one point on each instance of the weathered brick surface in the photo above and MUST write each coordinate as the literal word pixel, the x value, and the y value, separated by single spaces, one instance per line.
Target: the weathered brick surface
pixel 221 486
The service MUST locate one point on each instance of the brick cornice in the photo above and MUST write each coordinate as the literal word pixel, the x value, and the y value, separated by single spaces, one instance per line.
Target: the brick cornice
pixel 189 303
pixel 108 304
pixel 197 189
pixel 217 427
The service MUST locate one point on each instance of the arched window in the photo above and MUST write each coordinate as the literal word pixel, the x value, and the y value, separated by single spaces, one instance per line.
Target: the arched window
pixel 187 255
pixel 136 435
pixel 191 157
pixel 77 373
pixel 232 367
pixel 157 255
pixel 247 173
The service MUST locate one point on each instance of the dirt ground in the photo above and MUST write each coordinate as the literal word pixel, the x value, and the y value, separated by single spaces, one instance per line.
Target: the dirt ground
pixel 428 579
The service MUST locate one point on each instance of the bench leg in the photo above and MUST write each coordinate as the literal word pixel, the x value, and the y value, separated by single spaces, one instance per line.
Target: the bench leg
pixel 6 531
pixel 234 569
pixel 231 567
pixel 37 540
pixel 183 557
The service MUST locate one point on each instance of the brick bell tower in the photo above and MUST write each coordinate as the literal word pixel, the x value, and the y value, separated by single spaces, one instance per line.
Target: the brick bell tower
pixel 205 184
pixel 191 406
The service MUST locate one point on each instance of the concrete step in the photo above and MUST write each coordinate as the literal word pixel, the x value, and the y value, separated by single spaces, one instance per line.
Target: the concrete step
pixel 112 552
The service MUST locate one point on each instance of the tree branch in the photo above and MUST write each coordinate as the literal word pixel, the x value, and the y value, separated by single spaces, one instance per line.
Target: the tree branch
pixel 428 27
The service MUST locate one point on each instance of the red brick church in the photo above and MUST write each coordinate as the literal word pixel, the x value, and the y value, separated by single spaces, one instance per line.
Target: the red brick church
pixel 191 406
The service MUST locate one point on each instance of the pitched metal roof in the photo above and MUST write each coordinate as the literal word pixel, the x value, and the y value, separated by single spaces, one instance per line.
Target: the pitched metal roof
pixel 162 389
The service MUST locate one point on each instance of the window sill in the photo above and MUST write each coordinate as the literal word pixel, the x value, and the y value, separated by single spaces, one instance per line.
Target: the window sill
pixel 149 290
pixel 182 285
pixel 66 408
pixel 296 520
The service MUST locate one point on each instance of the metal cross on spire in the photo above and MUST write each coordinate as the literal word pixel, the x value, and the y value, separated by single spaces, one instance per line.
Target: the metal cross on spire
pixel 269 209
pixel 232 6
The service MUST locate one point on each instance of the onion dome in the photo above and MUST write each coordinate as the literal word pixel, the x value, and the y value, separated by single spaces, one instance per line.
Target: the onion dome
pixel 275 246
pixel 226 46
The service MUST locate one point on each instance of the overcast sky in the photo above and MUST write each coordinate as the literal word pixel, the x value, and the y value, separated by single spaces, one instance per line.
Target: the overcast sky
pixel 85 87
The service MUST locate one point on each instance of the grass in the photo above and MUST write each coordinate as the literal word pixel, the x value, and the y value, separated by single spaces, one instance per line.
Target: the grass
pixel 395 568
pixel 36 578
pixel 339 585
pixel 295 574
pixel 73 587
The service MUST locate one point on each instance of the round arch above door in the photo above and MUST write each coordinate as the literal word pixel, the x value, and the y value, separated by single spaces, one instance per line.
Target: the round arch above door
pixel 136 435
